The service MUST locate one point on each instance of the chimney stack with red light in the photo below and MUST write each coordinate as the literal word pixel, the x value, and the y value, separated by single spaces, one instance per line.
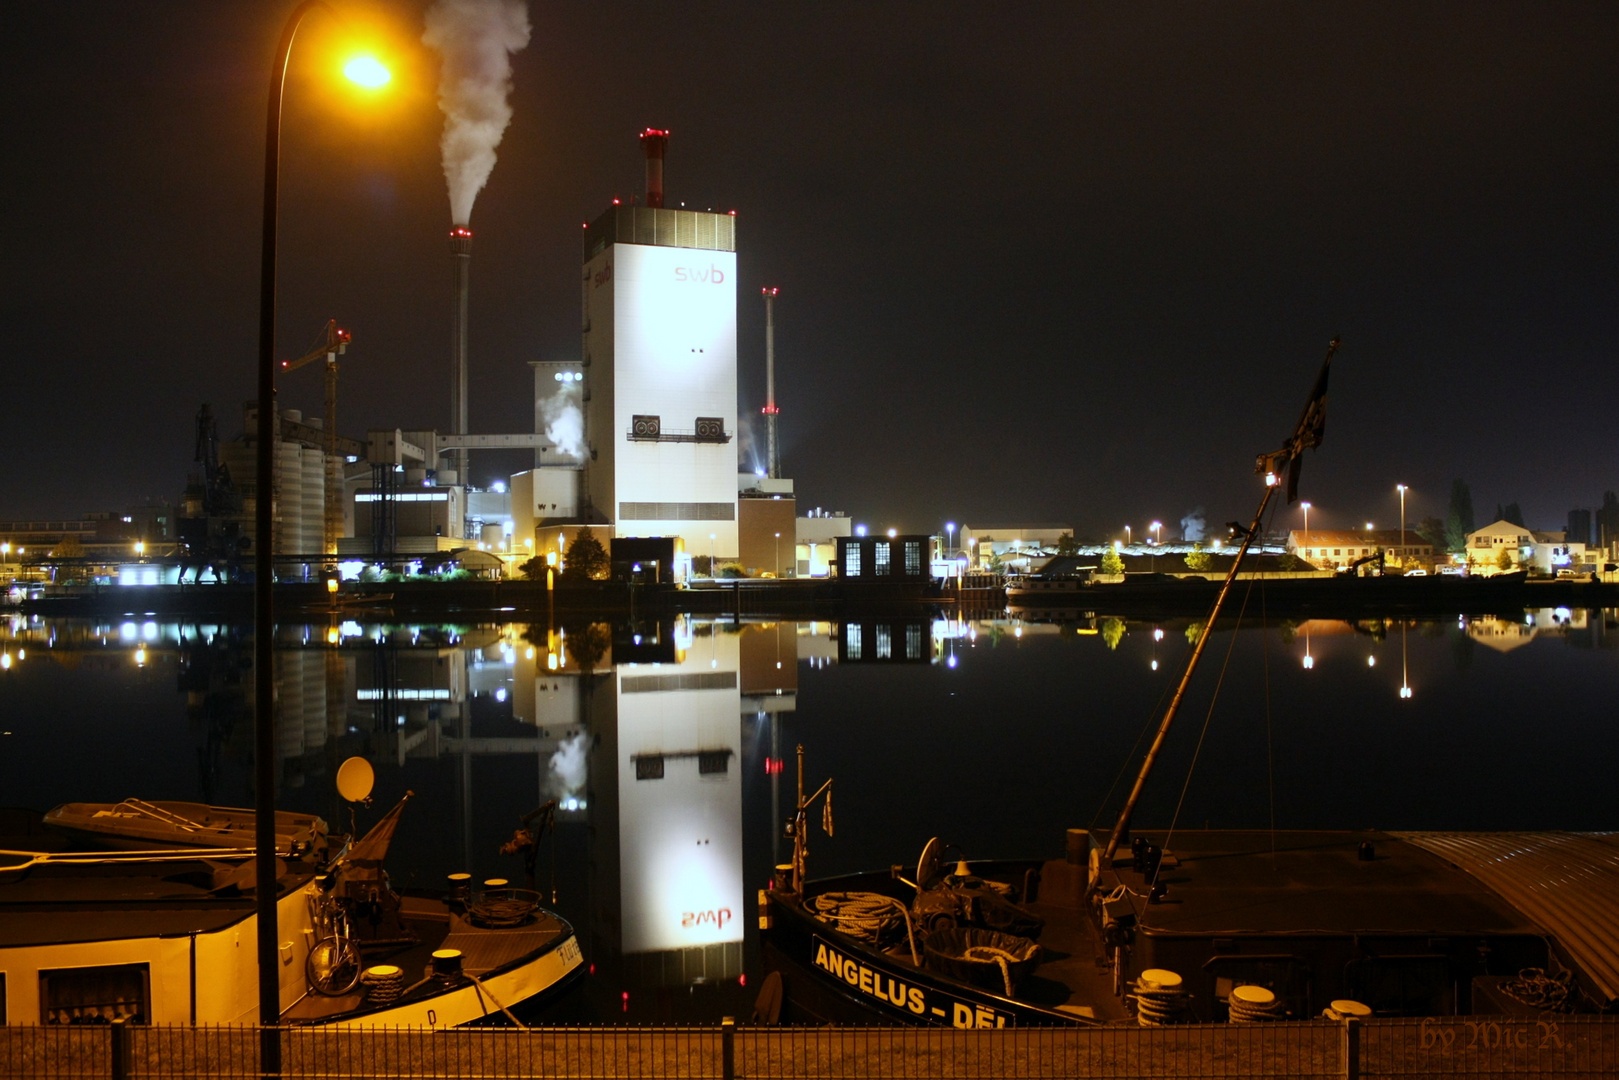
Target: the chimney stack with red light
pixel 773 455
pixel 656 144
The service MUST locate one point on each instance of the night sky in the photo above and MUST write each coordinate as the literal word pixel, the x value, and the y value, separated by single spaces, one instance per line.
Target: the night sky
pixel 1038 262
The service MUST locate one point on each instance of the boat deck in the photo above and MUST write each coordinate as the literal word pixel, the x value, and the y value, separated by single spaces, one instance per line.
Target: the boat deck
pixel 483 951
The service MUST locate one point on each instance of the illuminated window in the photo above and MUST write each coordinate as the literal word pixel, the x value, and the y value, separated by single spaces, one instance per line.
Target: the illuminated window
pixel 913 557
pixel 913 643
pixel 851 640
pixel 885 642
pixel 851 560
pixel 882 551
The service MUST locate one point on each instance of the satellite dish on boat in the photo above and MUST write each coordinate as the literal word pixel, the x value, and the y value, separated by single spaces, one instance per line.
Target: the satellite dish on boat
pixel 355 779
pixel 927 867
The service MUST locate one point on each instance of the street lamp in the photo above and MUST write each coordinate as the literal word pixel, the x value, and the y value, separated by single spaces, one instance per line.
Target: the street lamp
pixel 778 554
pixel 1157 528
pixel 712 569
pixel 370 74
pixel 1306 508
pixel 949 534
pixel 1127 536
pixel 1401 489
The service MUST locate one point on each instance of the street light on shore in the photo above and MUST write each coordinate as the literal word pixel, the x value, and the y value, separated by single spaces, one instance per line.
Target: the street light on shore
pixel 367 72
pixel 1306 508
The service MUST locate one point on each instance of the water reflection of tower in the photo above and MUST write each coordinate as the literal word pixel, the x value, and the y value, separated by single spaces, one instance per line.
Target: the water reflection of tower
pixel 213 665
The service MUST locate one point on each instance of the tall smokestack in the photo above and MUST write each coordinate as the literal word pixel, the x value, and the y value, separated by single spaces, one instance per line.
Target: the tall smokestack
pixel 461 253
pixel 656 144
pixel 773 458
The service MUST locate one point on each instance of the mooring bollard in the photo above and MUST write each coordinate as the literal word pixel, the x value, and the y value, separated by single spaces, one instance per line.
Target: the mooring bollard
pixel 728 1048
pixel 1351 1048
pixel 120 1048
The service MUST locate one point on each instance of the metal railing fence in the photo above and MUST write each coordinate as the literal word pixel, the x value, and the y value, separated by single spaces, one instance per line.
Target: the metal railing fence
pixel 1553 1046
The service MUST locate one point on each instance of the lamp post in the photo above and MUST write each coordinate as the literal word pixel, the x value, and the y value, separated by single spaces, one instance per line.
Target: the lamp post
pixel 1157 528
pixel 1401 489
pixel 1127 536
pixel 713 571
pixel 949 538
pixel 264 743
pixel 1306 508
pixel 778 555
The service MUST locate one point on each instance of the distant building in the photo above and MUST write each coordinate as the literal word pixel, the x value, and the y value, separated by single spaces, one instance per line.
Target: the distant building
pixel 817 534
pixel 1485 546
pixel 1018 546
pixel 1527 549
pixel 878 560
pixel 1331 549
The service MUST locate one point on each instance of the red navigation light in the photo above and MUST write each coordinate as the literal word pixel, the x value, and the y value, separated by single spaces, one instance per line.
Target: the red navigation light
pixel 593 969
pixel 766 292
pixel 654 132
pixel 742 979
pixel 626 998
pixel 770 410
pixel 615 202
pixel 773 766
pixel 733 213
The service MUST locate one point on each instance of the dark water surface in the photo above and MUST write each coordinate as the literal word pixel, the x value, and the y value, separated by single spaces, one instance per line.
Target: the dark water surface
pixel 662 743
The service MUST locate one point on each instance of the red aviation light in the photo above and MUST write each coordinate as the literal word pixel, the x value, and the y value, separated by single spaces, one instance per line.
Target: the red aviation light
pixel 770 410
pixel 460 230
pixel 773 766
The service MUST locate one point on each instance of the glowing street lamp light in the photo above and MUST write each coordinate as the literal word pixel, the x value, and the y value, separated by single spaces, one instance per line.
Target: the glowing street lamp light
pixel 268 951
pixel 1306 508
pixel 1127 536
pixel 949 535
pixel 1157 528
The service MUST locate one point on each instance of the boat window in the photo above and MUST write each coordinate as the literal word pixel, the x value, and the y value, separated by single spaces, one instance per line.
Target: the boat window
pixel 95 995
pixel 1403 985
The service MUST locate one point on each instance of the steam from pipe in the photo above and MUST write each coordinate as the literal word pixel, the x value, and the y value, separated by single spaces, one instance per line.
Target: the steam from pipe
pixel 567 773
pixel 476 39
pixel 564 424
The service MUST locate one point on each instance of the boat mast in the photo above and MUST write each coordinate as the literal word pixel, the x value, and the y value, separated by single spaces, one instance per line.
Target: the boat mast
pixel 1306 434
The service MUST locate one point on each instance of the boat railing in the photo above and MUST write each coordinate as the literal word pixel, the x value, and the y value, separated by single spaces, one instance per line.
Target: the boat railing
pixel 1546 1045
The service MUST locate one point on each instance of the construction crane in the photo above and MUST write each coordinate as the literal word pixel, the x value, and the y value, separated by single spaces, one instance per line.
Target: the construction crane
pixel 333 344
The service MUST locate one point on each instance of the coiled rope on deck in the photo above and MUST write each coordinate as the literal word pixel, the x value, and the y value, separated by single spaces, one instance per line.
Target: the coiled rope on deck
pixel 864 916
pixel 1535 988
pixel 1000 957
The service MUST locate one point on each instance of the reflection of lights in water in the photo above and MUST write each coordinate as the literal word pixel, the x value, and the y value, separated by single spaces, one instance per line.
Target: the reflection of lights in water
pixel 500 695
pixel 1155 665
pixel 951 662
pixel 127 631
pixel 1371 661
pixel 528 653
pixel 334 636
pixel 5 661
pixel 1017 631
pixel 1157 633
pixel 1405 691
pixel 551 661
pixel 1309 661
pixel 149 631
pixel 140 656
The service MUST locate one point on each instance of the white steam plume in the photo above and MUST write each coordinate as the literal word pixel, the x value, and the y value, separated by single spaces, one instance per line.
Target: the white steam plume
pixel 1194 526
pixel 564 424
pixel 476 39
pixel 566 778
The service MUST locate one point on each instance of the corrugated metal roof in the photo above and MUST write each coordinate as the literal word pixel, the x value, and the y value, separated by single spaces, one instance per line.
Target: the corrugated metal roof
pixel 1567 882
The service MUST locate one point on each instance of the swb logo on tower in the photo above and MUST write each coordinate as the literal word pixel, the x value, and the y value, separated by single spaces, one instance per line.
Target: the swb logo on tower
pixel 712 275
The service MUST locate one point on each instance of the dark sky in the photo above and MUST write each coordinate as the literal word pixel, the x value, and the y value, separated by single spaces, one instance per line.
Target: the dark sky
pixel 1038 262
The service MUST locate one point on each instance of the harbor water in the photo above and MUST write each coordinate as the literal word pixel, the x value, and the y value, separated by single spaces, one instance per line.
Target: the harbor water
pixel 669 746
